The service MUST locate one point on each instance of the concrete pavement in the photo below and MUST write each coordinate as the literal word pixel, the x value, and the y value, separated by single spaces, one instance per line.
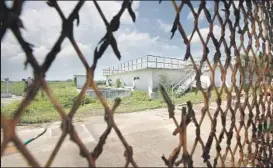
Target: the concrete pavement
pixel 6 101
pixel 149 132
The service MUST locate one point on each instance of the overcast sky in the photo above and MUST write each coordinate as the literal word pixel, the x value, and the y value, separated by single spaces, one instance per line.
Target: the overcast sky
pixel 150 34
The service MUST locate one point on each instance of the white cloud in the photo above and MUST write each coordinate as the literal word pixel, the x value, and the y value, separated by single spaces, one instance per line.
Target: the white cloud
pixel 164 26
pixel 204 33
pixel 201 17
pixel 43 26
pixel 236 3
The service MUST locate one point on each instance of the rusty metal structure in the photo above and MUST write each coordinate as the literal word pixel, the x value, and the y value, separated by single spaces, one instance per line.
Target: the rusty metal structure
pixel 248 136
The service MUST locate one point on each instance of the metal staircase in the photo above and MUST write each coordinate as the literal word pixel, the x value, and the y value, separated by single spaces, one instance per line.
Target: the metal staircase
pixel 183 70
pixel 184 83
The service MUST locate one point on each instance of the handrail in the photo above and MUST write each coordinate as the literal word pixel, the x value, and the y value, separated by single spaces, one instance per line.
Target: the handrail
pixel 182 80
pixel 144 62
pixel 185 68
pixel 185 78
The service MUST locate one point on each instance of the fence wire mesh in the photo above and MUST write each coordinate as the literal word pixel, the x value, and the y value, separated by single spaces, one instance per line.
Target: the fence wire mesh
pixel 249 134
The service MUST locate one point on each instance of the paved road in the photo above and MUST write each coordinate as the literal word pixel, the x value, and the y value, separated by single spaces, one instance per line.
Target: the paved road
pixel 149 132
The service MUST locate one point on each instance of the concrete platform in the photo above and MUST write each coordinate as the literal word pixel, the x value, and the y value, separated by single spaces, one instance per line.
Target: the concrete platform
pixel 149 132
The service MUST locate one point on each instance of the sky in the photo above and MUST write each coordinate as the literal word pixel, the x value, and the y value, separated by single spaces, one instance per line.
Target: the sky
pixel 150 34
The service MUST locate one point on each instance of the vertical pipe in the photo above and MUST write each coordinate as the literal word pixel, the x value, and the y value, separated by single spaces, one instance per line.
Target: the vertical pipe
pixel 141 62
pixel 147 62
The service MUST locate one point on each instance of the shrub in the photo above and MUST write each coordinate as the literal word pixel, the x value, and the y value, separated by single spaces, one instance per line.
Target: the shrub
pixel 88 100
pixel 75 81
pixel 41 109
pixel 65 96
pixel 118 83
pixel 37 111
pixel 101 82
pixel 165 82
pixel 85 100
pixel 139 96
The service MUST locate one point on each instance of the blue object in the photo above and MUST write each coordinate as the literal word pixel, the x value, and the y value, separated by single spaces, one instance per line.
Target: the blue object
pixel 32 139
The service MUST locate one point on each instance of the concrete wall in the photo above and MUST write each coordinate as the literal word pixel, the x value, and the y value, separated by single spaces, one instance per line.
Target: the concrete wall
pixel 6 95
pixel 110 93
pixel 172 75
pixel 148 78
pixel 218 80
pixel 145 78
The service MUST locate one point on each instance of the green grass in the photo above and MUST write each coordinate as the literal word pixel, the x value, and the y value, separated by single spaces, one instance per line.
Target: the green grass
pixel 139 101
pixel 41 109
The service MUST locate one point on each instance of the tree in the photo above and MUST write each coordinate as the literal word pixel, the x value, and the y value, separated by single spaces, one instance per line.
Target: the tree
pixel 101 82
pixel 165 82
pixel 75 80
pixel 118 83
pixel 260 62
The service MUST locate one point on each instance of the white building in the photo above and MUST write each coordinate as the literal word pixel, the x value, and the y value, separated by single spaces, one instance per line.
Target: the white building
pixel 205 77
pixel 144 73
pixel 80 80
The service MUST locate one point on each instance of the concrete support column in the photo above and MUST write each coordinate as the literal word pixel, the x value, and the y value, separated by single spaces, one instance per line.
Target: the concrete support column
pixel 150 85
pixel 134 84
pixel 107 81
pixel 150 91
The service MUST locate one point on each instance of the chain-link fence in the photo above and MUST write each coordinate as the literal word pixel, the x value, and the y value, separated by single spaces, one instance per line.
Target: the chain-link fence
pixel 249 132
